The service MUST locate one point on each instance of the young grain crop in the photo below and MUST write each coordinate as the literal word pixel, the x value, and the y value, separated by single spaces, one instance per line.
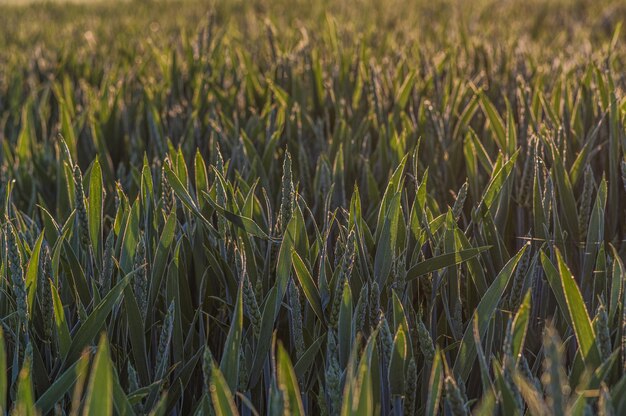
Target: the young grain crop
pixel 308 208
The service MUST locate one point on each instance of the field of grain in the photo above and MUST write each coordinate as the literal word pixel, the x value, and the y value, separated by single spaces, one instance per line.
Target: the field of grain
pixel 402 207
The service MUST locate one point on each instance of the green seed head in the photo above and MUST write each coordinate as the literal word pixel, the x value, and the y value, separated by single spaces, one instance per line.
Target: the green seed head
pixel 324 177
pixel 454 397
pixel 17 275
pixel 603 332
pixel 44 292
pixel 107 263
pixel 296 318
pixel 425 342
pixel 526 182
pixel 133 380
pixel 554 378
pixel 220 192
pixel 374 304
pixel 410 388
pixel 457 209
pixel 249 297
pixel 386 338
pixel 81 209
pixel 585 203
pixel 519 280
pixel 162 361
pixel 243 371
pixel 287 204
pixel 362 310
pixel 333 375
pixel 167 194
pixel 141 278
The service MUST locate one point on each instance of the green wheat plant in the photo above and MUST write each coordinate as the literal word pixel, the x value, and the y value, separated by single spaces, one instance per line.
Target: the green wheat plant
pixel 301 208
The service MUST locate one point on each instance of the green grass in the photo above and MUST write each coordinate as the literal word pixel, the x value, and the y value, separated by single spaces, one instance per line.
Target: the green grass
pixel 313 208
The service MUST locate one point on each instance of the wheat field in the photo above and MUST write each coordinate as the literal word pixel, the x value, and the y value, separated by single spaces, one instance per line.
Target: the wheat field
pixel 314 207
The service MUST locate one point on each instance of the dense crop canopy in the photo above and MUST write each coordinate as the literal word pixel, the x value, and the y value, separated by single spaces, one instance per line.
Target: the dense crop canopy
pixel 292 208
